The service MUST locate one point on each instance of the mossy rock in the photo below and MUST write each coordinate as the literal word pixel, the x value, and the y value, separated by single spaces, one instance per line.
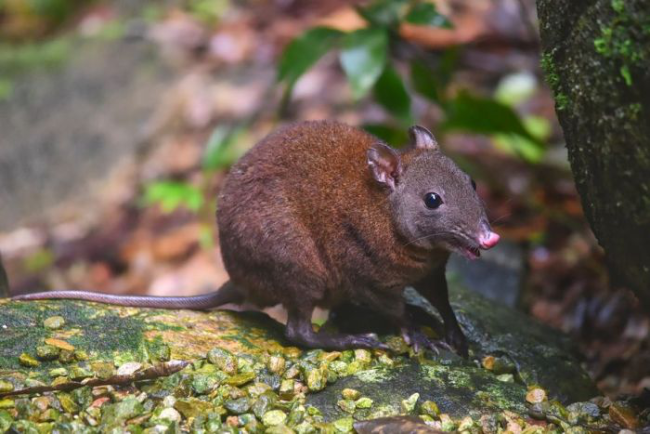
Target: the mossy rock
pixel 123 334
pixel 542 356
pixel 100 342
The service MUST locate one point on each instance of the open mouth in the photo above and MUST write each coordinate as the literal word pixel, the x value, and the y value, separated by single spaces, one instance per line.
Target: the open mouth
pixel 470 252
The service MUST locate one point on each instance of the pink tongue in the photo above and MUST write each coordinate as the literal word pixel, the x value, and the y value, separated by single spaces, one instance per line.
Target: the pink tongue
pixel 489 240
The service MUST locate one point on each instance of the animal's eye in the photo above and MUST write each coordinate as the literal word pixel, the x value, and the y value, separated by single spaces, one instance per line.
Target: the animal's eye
pixel 473 184
pixel 432 200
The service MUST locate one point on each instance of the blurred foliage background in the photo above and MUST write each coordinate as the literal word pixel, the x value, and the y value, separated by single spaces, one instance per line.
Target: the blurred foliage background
pixel 122 118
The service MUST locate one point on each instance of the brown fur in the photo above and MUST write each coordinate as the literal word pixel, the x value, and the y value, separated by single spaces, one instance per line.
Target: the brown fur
pixel 301 219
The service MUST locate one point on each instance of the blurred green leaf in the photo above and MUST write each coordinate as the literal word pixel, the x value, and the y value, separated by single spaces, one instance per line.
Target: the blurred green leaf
pixel 6 88
pixel 519 146
pixel 396 137
pixel 40 260
pixel 171 195
pixel 53 9
pixel 426 14
pixel 424 81
pixel 524 148
pixel 446 66
pixel 208 11
pixel 391 93
pixel 152 13
pixel 206 236
pixel 17 58
pixel 516 88
pixel 219 151
pixel 485 116
pixel 303 52
pixel 382 12
pixel 538 126
pixel 363 58
pixel 112 30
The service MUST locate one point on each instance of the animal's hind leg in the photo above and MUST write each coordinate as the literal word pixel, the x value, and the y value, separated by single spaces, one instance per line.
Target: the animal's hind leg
pixel 300 331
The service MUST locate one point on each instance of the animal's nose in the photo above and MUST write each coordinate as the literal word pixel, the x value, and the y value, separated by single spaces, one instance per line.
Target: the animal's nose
pixel 489 239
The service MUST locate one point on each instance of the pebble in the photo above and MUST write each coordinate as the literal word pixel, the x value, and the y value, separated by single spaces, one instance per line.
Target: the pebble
pixel 347 405
pixel 47 352
pixel 536 395
pixel 315 379
pixel 345 424
pixel 408 404
pixel 192 407
pixel 27 360
pixel 224 360
pixel 430 408
pixel 54 322
pixel 6 386
pixel 274 417
pixel 277 365
pixel 59 344
pixel 623 416
pixel 364 402
pixel 129 368
pixel 350 394
pixel 240 379
pixel 170 413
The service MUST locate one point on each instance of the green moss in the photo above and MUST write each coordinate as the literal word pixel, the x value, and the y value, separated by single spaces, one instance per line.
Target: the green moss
pixel 553 80
pixel 500 396
pixel 373 375
pixel 113 335
pixel 546 62
pixel 242 339
pixel 618 5
pixel 459 378
pixel 562 101
pixel 434 372
pixel 157 350
pixel 17 59
pixel 620 39
pixel 633 111
pixel 627 76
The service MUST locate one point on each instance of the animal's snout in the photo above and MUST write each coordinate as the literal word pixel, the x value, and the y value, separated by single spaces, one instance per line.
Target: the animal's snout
pixel 488 239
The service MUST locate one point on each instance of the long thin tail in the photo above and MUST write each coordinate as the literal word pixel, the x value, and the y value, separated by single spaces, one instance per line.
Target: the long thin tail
pixel 224 295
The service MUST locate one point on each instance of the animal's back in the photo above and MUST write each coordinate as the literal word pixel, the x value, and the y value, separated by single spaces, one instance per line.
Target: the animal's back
pixel 282 206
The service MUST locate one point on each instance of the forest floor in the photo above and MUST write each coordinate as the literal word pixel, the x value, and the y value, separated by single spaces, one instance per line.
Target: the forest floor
pixel 142 236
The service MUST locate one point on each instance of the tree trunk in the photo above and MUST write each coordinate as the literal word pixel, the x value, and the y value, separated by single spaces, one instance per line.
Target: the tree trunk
pixel 596 56
pixel 4 283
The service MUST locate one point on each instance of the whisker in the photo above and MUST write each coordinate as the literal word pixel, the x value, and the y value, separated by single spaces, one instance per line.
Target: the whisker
pixel 423 238
pixel 458 234
pixel 506 215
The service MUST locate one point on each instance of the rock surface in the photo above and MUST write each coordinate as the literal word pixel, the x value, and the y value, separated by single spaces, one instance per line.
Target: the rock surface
pixel 246 354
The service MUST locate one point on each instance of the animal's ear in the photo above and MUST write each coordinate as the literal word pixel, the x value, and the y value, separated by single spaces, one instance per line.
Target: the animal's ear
pixel 385 164
pixel 421 138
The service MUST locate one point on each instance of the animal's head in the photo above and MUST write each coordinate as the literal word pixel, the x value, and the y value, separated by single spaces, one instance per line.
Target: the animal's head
pixel 433 202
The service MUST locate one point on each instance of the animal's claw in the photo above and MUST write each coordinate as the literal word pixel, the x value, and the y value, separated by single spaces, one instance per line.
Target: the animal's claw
pixel 368 341
pixel 415 338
